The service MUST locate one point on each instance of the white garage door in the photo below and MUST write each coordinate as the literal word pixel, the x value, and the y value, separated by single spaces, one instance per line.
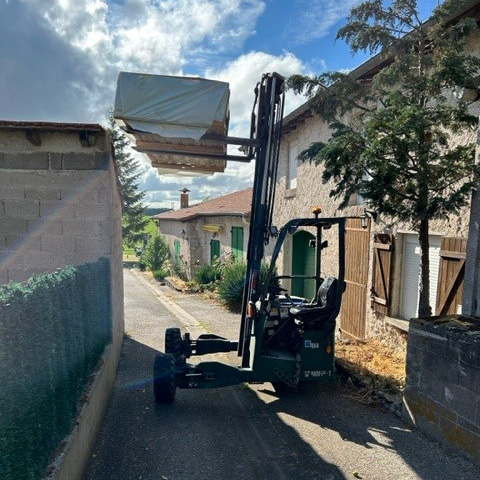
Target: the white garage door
pixel 411 274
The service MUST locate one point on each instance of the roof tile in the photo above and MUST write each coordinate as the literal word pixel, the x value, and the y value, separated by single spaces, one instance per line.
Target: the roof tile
pixel 236 203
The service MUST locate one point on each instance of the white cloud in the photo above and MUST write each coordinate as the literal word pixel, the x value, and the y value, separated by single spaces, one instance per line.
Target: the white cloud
pixel 61 57
pixel 314 19
pixel 60 60
pixel 243 74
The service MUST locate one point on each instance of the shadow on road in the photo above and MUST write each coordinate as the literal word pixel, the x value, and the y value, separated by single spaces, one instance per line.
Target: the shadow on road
pixel 210 434
pixel 240 433
pixel 370 428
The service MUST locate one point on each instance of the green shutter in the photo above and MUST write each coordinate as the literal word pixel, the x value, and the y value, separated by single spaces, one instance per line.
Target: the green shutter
pixel 237 244
pixel 177 250
pixel 214 250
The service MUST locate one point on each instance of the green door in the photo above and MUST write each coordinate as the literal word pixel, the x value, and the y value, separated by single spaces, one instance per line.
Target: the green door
pixel 303 263
pixel 177 250
pixel 214 250
pixel 237 244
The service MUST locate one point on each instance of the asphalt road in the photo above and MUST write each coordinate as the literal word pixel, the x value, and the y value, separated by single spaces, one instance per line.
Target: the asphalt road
pixel 241 432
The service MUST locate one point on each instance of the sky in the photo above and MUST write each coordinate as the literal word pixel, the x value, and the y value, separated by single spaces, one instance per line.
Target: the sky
pixel 59 60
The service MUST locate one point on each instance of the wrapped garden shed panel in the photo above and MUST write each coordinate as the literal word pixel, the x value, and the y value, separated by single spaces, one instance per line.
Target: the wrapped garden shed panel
pixel 174 119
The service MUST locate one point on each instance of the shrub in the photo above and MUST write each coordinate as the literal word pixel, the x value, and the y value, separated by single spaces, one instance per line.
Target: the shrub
pixel 178 269
pixel 160 274
pixel 156 253
pixel 230 287
pixel 207 274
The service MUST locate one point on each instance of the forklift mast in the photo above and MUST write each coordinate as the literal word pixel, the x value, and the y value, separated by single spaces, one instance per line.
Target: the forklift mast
pixel 266 129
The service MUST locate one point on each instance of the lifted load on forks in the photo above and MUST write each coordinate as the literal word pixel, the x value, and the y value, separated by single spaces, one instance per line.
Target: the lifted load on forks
pixel 283 340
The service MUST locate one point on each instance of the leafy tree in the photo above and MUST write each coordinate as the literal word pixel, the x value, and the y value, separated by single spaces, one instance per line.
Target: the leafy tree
pixel 156 253
pixel 393 133
pixel 134 220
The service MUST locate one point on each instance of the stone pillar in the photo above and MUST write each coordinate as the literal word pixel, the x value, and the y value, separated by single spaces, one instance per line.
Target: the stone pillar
pixel 471 296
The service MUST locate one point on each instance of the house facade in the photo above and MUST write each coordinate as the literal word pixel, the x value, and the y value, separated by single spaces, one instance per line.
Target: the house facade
pixel 382 260
pixel 216 228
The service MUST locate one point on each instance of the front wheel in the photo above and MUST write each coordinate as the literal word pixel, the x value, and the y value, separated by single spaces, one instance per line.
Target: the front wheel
pixel 164 378
pixel 173 344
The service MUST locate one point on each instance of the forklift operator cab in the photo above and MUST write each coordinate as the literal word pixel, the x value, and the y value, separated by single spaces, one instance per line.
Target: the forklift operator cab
pixel 299 328
pixel 319 310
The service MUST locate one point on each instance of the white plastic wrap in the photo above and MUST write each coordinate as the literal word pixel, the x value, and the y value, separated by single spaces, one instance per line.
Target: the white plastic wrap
pixel 172 107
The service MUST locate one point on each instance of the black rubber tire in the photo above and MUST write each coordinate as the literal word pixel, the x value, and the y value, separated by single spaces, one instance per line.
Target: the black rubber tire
pixel 173 343
pixel 164 378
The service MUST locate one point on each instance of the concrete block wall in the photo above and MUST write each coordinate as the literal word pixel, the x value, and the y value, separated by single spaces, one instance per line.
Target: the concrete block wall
pixel 60 205
pixel 56 207
pixel 442 395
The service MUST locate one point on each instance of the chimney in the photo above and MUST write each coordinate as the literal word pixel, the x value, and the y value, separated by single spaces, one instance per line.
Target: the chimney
pixel 184 198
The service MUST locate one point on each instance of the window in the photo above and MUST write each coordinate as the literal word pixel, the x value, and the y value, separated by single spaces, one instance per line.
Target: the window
pixel 292 165
pixel 237 244
pixel 214 250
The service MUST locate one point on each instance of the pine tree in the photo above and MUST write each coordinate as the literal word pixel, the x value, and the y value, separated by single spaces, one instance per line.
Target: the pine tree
pixel 133 219
pixel 393 135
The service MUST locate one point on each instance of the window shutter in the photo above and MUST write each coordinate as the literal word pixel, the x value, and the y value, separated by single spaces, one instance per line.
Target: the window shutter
pixel 382 273
pixel 237 244
pixel 214 250
pixel 451 275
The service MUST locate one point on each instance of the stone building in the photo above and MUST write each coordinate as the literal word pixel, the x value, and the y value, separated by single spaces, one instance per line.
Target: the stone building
pixel 382 269
pixel 216 228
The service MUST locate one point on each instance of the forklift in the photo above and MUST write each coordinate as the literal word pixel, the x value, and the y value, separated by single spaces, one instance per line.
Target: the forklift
pixel 283 340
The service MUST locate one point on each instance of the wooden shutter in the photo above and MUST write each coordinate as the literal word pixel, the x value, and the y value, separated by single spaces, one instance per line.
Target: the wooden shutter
pixel 354 301
pixel 382 273
pixel 214 250
pixel 237 244
pixel 450 278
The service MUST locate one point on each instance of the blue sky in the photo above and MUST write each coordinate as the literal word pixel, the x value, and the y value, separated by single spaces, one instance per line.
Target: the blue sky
pixel 60 59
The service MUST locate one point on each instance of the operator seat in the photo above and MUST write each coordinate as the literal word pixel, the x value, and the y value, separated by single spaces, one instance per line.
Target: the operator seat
pixel 316 313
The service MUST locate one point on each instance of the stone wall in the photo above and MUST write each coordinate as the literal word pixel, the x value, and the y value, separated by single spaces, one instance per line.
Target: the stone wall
pixel 195 243
pixel 442 395
pixel 311 191
pixel 172 230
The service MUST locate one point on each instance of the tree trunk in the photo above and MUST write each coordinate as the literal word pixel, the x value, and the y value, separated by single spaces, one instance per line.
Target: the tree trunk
pixel 424 309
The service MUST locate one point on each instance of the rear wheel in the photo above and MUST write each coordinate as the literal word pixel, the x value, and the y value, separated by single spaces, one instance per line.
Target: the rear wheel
pixel 164 378
pixel 173 343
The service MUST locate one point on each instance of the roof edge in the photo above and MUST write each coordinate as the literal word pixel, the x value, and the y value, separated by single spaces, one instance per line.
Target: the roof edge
pixel 370 65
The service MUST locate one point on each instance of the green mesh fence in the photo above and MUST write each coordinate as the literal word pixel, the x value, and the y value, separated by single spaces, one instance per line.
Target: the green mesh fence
pixel 53 330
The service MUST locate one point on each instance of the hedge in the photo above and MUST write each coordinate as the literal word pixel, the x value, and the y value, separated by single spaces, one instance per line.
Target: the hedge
pixel 53 330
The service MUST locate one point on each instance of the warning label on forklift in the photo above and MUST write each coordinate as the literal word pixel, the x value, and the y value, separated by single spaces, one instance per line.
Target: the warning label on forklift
pixel 317 373
pixel 310 344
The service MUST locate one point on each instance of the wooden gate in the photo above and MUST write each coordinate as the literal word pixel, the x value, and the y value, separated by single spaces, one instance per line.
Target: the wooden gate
pixel 450 277
pixel 354 301
pixel 382 273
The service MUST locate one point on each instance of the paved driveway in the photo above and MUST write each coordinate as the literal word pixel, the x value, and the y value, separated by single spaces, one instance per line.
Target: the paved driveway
pixel 240 432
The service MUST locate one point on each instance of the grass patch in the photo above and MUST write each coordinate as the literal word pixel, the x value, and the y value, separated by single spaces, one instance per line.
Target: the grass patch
pixel 377 366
